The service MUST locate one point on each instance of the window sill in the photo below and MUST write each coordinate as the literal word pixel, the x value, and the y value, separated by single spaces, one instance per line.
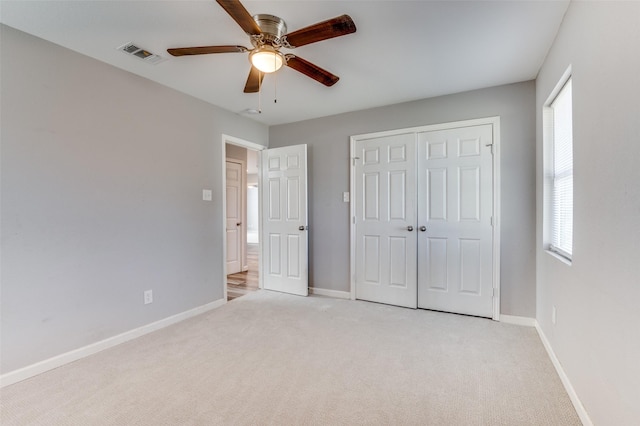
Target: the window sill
pixel 558 256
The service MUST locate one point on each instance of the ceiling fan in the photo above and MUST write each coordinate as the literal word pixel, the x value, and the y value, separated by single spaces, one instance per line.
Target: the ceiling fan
pixel 268 34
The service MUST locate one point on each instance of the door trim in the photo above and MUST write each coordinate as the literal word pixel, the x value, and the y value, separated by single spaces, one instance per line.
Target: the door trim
pixel 495 123
pixel 226 139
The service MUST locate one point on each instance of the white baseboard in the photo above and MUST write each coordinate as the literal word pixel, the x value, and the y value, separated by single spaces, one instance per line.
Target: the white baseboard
pixel 76 354
pixel 516 320
pixel 577 404
pixel 330 293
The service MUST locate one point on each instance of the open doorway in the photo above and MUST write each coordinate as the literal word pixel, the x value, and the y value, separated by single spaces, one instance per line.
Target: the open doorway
pixel 242 222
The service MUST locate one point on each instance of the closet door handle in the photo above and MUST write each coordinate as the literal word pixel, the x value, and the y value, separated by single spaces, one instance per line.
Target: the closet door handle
pixel 423 228
pixel 409 228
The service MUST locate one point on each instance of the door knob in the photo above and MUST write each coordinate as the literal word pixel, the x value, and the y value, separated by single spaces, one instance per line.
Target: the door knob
pixel 301 228
pixel 423 228
pixel 409 228
pixel 239 223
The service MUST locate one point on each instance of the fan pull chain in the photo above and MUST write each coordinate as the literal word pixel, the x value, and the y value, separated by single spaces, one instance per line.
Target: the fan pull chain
pixel 259 92
pixel 275 89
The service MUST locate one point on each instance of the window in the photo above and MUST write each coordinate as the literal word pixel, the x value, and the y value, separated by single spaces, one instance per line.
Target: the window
pixel 559 171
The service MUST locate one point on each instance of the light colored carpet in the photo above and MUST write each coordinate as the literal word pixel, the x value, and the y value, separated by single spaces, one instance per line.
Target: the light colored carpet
pixel 274 359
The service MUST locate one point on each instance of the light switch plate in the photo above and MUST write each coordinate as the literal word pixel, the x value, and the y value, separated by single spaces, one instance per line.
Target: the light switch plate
pixel 207 195
pixel 148 297
pixel 345 197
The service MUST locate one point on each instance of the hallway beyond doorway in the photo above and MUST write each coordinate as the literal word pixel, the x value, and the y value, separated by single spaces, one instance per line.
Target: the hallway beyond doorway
pixel 245 282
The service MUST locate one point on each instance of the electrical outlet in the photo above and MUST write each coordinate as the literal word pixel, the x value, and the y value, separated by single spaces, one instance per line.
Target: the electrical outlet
pixel 553 315
pixel 148 297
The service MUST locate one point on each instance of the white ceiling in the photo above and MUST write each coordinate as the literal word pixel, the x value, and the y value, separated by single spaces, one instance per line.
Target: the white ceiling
pixel 402 50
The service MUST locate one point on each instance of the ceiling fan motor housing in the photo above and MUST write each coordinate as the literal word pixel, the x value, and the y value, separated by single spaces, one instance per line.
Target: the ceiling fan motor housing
pixel 273 28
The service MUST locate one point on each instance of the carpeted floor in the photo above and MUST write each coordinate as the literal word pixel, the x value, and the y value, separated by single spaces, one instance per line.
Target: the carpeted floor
pixel 274 359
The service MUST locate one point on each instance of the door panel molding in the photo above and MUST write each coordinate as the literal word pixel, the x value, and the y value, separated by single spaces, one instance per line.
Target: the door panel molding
pixel 466 148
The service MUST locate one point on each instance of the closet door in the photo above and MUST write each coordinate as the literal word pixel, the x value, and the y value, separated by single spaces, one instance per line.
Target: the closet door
pixel 385 217
pixel 455 234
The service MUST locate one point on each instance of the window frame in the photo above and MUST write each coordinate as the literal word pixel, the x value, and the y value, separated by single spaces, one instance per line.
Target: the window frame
pixel 554 194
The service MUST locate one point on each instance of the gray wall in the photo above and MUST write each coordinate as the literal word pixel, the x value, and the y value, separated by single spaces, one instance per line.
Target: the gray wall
pixel 596 336
pixel 328 141
pixel 102 178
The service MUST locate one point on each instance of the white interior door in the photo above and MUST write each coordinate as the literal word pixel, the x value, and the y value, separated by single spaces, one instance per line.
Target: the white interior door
pixel 386 249
pixel 423 218
pixel 284 215
pixel 234 217
pixel 455 207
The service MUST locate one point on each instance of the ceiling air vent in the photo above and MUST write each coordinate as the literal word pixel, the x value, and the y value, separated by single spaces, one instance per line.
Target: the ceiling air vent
pixel 139 52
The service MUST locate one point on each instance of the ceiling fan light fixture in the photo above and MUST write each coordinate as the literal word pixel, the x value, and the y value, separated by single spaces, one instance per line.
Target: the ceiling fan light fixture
pixel 267 59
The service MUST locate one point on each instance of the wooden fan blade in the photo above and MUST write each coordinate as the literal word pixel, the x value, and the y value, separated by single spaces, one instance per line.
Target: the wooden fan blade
pixel 254 81
pixel 311 70
pixel 236 10
pixel 203 50
pixel 331 28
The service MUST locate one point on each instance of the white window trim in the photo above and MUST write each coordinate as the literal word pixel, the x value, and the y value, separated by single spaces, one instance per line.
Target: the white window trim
pixel 548 172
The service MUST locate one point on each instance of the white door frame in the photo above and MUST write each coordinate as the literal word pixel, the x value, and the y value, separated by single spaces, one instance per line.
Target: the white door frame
pixel 495 122
pixel 226 139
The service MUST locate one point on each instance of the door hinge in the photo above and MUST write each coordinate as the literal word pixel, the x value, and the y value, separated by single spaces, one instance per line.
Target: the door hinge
pixel 354 220
pixel 354 160
pixel 491 220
